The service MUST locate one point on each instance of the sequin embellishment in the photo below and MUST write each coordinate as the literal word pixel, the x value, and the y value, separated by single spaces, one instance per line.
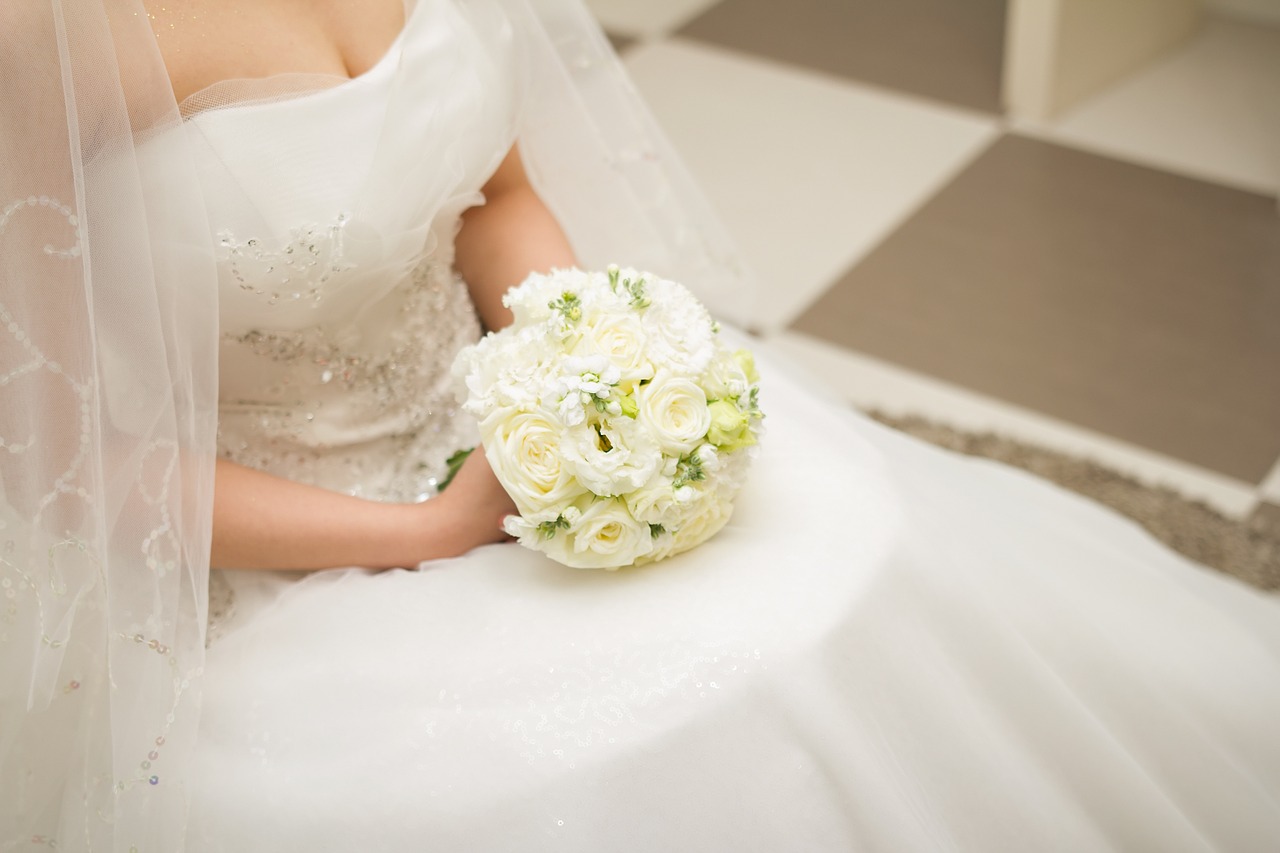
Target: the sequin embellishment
pixel 354 405
pixel 294 271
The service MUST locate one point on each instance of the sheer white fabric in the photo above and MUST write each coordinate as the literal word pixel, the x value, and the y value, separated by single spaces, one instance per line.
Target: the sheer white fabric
pixel 107 419
pixel 108 366
pixel 888 647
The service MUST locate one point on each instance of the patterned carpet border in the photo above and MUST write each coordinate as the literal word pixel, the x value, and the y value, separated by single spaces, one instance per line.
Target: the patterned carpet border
pixel 1248 549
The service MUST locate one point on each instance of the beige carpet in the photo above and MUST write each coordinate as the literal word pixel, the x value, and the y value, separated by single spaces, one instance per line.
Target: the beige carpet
pixel 1249 550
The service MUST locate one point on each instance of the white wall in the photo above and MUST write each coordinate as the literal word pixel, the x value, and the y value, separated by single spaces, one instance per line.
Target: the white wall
pixel 1059 52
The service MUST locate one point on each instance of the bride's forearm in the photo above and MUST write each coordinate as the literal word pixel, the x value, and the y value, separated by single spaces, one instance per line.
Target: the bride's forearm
pixel 510 235
pixel 265 522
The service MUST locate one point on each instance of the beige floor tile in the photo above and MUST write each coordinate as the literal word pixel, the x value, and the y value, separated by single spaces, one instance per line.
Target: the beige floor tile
pixel 645 18
pixel 1139 304
pixel 1210 110
pixel 941 49
pixel 1270 489
pixel 808 172
pixel 1267 513
pixel 872 384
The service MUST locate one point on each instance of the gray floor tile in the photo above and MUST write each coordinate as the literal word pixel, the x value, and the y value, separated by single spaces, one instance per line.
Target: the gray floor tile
pixel 1131 301
pixel 1266 515
pixel 942 49
pixel 620 43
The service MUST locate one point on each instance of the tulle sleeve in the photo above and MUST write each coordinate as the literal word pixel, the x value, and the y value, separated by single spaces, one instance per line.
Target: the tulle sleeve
pixel 107 420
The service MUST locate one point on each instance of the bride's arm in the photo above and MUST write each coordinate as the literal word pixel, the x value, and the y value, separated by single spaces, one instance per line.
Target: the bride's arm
pixel 506 238
pixel 265 522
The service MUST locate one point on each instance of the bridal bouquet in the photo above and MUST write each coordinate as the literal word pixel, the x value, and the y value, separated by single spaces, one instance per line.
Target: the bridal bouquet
pixel 613 415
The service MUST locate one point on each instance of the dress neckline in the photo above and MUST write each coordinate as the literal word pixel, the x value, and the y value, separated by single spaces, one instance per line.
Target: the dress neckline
pixel 294 85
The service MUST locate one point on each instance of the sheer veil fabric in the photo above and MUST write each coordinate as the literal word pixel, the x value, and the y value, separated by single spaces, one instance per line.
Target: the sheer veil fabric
pixel 107 421
pixel 108 373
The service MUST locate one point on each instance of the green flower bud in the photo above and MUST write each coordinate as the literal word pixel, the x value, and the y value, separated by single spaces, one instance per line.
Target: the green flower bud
pixel 748 364
pixel 730 427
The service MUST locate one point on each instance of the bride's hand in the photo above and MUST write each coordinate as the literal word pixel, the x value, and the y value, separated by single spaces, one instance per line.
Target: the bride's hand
pixel 477 502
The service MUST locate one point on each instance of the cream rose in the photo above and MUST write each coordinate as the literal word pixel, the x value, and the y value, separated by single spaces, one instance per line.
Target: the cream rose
pixel 621 339
pixel 675 411
pixel 655 501
pixel 524 451
pixel 606 537
pixel 704 522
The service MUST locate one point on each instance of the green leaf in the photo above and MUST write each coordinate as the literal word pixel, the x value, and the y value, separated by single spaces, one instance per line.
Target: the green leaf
pixel 454 464
pixel 548 528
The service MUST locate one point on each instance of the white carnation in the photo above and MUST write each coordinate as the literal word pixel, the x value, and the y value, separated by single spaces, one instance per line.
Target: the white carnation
pixel 611 457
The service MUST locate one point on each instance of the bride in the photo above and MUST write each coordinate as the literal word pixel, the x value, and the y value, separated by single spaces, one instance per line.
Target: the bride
pixel 888 647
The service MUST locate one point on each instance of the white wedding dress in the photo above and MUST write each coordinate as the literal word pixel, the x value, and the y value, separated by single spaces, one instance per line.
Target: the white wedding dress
pixel 888 648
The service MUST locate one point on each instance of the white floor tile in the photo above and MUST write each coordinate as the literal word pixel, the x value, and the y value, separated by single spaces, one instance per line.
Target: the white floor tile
pixel 872 384
pixel 646 18
pixel 809 172
pixel 1210 110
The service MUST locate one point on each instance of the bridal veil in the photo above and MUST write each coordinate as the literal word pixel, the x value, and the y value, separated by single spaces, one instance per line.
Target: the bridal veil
pixel 108 379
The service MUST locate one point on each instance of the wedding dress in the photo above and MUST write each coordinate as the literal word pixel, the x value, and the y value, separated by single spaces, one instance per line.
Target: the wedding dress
pixel 889 647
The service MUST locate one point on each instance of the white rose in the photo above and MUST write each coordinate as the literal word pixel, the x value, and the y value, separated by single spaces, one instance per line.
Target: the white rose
pixel 620 338
pixel 611 457
pixel 675 410
pixel 706 521
pixel 607 537
pixel 655 501
pixel 524 450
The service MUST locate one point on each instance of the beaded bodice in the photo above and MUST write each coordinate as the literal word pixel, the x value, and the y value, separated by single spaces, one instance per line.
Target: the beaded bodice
pixel 333 216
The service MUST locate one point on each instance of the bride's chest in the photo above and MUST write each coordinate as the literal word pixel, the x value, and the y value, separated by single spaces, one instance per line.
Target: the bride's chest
pixel 206 42
pixel 322 201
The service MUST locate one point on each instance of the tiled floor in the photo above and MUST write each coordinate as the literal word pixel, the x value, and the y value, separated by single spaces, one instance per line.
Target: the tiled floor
pixel 939 49
pixel 1107 283
pixel 1210 110
pixel 1134 302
